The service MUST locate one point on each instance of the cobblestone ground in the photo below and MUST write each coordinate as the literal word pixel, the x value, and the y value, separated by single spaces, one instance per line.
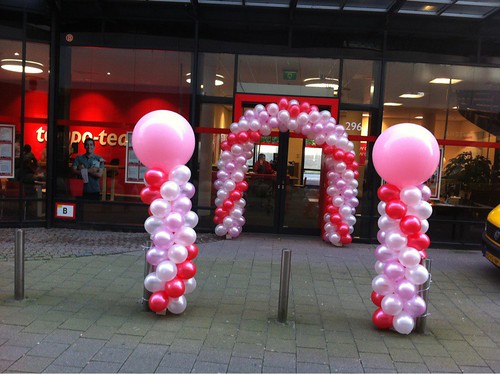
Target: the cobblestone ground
pixel 41 243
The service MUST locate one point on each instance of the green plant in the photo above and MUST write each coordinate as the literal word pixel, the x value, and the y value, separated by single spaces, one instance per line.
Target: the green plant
pixel 469 171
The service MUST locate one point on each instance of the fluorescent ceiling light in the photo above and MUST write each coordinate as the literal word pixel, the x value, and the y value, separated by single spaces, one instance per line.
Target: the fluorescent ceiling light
pixel 412 95
pixel 219 79
pixel 392 104
pixel 419 117
pixel 445 81
pixel 322 82
pixel 366 115
pixel 16 65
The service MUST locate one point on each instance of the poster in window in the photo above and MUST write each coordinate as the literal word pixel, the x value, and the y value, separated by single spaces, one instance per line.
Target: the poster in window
pixel 7 148
pixel 134 169
pixel 434 182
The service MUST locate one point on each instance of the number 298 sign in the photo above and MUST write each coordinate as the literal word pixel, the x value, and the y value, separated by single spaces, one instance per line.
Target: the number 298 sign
pixel 65 210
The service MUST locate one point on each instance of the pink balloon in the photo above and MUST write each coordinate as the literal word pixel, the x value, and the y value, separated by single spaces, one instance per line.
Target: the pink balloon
pixel 406 155
pixel 163 139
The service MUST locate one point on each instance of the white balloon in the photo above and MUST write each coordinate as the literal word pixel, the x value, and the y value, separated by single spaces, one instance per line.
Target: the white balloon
pixel 177 253
pixel 273 109
pixel 417 275
pixel 409 257
pixel 185 236
pixel 381 208
pixel 151 224
pixel 177 305
pixel 382 285
pixel 190 285
pixel 220 230
pixel 153 284
pixel 425 226
pixel 403 323
pixel 191 219
pixel 410 195
pixel 392 304
pixel 166 271
pixel 170 190
pixel 180 174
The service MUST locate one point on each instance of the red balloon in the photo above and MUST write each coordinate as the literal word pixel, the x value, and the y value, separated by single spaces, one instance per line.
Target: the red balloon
pixel 227 205
pixel 148 195
pixel 396 209
pixel 347 239
pixel 232 139
pixel 377 298
pixel 294 111
pixel 419 241
pixel 305 107
pixel 186 270
pixel 332 209
pixel 242 186
pixel 343 229
pixel 328 200
pixel 175 287
pixel 354 166
pixel 217 220
pixel 283 103
pixel 336 219
pixel 314 107
pixel 356 174
pixel 235 195
pixel 339 155
pixel 410 225
pixel 192 251
pixel 243 137
pixel 225 146
pixel 381 319
pixel 349 158
pixel 423 254
pixel 158 301
pixel 254 136
pixel 388 192
pixel 155 178
pixel 329 149
pixel 220 212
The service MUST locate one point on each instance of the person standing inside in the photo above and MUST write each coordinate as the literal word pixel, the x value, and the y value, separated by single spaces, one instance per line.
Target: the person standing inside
pixel 262 166
pixel 90 167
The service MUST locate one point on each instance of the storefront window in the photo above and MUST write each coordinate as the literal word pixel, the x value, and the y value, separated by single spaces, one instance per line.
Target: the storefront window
pixel 288 76
pixel 216 74
pixel 460 106
pixel 22 148
pixel 105 92
pixel 359 80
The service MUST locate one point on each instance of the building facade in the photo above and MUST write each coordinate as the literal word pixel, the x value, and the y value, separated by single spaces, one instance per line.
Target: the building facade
pixel 94 68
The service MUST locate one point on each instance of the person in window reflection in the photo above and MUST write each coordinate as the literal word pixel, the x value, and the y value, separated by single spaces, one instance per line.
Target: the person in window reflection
pixel 262 166
pixel 90 167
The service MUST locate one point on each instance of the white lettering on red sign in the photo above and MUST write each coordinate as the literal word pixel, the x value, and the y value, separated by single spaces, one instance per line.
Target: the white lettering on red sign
pixel 103 138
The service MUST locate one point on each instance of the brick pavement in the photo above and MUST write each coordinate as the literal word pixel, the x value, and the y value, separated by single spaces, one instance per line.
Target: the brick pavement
pixel 82 314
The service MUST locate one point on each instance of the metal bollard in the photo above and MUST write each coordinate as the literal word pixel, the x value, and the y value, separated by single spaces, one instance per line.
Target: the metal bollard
pixel 286 260
pixel 19 265
pixel 421 322
pixel 147 269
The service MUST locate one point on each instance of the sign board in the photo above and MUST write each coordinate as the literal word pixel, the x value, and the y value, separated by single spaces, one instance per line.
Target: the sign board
pixel 134 169
pixel 289 75
pixel 7 149
pixel 65 210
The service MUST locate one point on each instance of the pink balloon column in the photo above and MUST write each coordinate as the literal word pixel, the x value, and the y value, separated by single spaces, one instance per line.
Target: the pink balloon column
pixel 164 142
pixel 405 155
pixel 300 118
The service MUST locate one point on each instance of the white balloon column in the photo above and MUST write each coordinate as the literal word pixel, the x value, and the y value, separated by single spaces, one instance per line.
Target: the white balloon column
pixel 164 141
pixel 405 155
pixel 301 118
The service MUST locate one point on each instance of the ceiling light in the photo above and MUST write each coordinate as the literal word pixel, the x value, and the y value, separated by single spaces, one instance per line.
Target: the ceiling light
pixel 445 81
pixel 16 65
pixel 366 115
pixel 219 79
pixel 419 117
pixel 455 107
pixel 428 8
pixel 392 104
pixel 322 82
pixel 412 95
pixel 108 73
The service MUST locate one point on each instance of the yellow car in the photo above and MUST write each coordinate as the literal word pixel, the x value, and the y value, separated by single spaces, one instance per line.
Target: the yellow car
pixel 491 237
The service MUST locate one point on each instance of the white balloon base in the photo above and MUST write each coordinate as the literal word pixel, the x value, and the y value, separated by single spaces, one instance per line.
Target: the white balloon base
pixel 228 237
pixel 162 313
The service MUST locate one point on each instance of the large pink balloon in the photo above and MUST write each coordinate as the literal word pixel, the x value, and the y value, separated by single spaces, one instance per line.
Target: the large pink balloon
pixel 163 139
pixel 406 154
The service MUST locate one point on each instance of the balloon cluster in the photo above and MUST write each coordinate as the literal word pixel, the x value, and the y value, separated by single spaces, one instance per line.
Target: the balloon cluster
pixel 304 119
pixel 403 224
pixel 171 226
pixel 164 142
pixel 405 155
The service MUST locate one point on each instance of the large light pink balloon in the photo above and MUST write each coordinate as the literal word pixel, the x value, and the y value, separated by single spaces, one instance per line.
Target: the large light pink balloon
pixel 406 154
pixel 163 139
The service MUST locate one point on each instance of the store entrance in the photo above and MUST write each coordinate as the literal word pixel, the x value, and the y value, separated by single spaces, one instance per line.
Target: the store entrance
pixel 284 190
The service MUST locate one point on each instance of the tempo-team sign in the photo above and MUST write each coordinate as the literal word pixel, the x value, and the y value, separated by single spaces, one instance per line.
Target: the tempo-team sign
pixel 103 138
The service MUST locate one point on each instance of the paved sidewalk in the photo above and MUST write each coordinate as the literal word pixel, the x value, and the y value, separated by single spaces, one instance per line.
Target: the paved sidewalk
pixel 82 314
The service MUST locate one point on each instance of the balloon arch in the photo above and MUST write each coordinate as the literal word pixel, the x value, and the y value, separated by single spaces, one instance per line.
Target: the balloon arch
pixel 301 118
